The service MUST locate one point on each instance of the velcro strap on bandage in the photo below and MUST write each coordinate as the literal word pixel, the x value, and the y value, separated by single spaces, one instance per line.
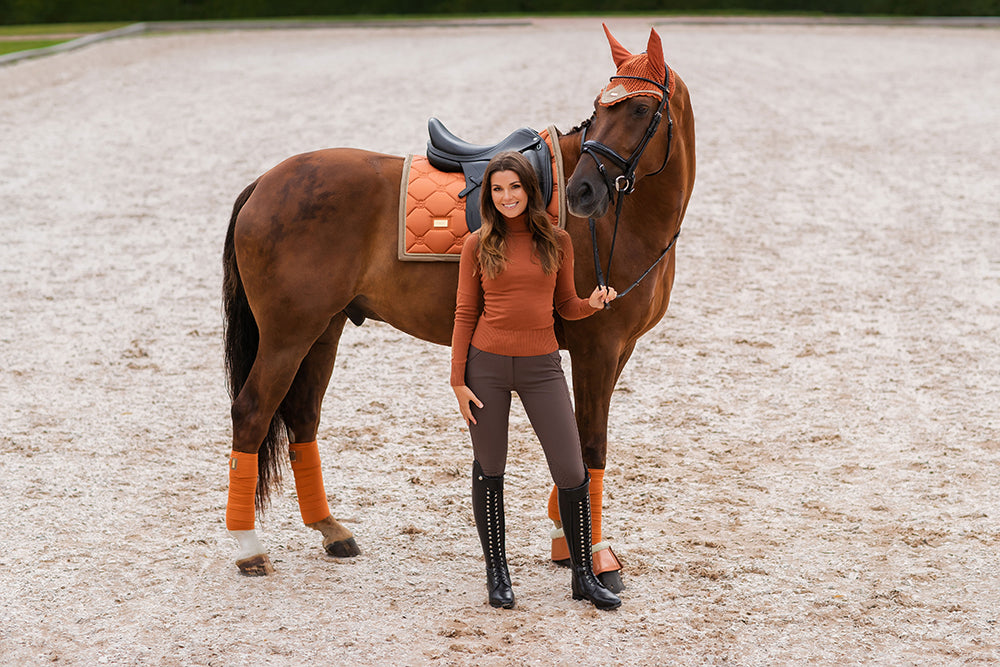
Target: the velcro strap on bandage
pixel 309 487
pixel 242 487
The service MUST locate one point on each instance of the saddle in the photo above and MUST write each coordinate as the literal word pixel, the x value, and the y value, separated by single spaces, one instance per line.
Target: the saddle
pixel 448 153
pixel 433 223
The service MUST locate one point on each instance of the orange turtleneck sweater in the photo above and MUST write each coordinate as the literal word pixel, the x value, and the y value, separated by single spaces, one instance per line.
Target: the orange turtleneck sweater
pixel 512 313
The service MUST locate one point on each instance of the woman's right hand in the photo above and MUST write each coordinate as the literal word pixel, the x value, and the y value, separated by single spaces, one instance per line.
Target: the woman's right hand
pixel 465 396
pixel 602 296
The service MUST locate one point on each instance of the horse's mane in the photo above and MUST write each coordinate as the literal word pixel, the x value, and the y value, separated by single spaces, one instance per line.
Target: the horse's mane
pixel 585 124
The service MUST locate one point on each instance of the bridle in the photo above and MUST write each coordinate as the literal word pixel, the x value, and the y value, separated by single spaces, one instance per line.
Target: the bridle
pixel 624 184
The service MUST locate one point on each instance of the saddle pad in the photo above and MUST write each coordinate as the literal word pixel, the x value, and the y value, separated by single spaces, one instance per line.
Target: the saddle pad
pixel 432 215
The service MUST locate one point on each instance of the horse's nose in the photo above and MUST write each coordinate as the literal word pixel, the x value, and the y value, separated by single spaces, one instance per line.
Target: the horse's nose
pixel 586 201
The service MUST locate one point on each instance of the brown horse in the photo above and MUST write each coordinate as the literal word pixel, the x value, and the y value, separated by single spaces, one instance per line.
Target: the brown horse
pixel 313 243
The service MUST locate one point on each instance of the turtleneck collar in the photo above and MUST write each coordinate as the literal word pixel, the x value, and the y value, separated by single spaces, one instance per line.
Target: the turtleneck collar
pixel 518 225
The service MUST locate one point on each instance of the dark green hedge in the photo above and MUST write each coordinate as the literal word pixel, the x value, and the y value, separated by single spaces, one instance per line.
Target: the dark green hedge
pixel 71 11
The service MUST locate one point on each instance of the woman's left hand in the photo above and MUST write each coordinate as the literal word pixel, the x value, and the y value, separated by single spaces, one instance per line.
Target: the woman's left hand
pixel 601 296
pixel 465 396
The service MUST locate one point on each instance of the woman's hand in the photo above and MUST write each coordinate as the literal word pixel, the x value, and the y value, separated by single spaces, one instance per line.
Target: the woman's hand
pixel 465 396
pixel 601 297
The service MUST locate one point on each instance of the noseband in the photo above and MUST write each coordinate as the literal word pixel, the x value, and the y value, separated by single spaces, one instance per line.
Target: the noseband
pixel 624 184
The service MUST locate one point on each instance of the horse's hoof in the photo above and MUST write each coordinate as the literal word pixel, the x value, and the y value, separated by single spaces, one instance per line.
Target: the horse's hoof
pixel 566 562
pixel 255 566
pixel 343 548
pixel 612 581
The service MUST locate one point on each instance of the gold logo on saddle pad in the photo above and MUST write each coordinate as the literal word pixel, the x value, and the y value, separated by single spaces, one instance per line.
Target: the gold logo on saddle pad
pixel 441 223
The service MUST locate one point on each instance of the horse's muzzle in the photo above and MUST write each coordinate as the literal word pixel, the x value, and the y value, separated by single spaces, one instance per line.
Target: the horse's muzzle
pixel 587 195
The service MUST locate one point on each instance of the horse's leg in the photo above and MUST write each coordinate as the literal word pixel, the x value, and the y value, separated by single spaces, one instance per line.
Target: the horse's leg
pixel 275 366
pixel 593 384
pixel 301 412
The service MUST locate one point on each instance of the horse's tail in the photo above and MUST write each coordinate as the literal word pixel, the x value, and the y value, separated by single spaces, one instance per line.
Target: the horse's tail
pixel 241 338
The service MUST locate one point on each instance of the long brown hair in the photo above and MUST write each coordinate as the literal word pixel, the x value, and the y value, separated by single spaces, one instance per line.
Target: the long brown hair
pixel 493 233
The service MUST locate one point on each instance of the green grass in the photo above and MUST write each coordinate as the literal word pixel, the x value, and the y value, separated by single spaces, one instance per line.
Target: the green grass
pixel 56 29
pixel 17 37
pixel 27 45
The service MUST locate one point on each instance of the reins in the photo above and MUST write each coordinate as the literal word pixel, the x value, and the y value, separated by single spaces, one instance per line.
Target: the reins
pixel 597 261
pixel 624 184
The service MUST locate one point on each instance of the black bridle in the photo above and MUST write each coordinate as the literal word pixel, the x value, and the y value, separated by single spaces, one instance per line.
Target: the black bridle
pixel 624 184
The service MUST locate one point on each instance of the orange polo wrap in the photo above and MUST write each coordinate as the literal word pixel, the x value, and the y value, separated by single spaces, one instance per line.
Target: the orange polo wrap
pixel 309 481
pixel 242 486
pixel 596 503
pixel 554 504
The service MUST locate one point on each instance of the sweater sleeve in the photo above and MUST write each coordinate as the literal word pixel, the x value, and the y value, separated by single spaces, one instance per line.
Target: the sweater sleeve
pixel 468 305
pixel 567 303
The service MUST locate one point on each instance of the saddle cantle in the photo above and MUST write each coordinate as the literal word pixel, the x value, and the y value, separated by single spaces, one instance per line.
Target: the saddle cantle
pixel 432 203
pixel 448 153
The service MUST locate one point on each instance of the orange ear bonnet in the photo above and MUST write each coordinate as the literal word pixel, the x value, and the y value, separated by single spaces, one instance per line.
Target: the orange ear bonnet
pixel 638 74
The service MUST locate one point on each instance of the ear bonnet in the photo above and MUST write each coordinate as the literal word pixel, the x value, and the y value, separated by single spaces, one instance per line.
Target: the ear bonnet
pixel 637 73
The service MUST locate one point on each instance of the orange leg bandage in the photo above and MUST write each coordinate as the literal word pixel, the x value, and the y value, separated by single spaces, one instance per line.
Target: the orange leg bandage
pixel 554 504
pixel 309 481
pixel 242 487
pixel 560 550
pixel 596 504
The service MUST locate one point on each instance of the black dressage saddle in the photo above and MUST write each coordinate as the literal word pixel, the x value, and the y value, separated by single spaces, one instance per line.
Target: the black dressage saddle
pixel 447 152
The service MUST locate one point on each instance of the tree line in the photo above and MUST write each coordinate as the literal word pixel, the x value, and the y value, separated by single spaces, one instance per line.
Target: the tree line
pixel 74 11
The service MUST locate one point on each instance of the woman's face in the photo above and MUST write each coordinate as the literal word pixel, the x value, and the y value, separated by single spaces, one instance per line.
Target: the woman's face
pixel 508 194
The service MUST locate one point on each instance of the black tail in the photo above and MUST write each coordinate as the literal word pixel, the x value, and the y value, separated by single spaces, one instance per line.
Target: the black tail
pixel 241 339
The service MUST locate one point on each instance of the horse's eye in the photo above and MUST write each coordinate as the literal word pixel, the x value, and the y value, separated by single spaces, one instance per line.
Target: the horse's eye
pixel 640 111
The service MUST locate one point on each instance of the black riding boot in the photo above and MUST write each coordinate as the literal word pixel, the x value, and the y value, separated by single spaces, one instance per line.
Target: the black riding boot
pixel 487 508
pixel 574 510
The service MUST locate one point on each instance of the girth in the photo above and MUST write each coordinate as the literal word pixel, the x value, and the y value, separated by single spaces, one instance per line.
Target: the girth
pixel 448 153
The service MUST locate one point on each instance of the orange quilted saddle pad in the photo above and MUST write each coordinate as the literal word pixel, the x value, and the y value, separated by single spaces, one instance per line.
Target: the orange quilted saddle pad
pixel 432 215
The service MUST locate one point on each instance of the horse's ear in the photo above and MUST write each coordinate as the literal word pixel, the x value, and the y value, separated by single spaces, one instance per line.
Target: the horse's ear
pixel 654 51
pixel 618 52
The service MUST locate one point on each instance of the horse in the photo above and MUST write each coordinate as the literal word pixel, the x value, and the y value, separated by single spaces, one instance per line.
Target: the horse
pixel 312 243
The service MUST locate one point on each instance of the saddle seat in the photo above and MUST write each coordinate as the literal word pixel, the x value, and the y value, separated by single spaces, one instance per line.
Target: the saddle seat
pixel 449 153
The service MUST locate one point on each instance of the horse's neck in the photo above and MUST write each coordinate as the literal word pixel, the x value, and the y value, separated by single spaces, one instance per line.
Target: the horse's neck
pixel 569 146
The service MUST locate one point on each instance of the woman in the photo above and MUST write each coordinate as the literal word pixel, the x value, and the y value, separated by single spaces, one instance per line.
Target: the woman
pixel 513 272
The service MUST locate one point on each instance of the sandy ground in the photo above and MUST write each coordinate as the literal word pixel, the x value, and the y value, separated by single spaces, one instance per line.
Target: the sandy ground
pixel 804 453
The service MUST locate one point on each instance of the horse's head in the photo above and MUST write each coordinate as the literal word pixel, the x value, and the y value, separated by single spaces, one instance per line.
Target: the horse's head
pixel 625 139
